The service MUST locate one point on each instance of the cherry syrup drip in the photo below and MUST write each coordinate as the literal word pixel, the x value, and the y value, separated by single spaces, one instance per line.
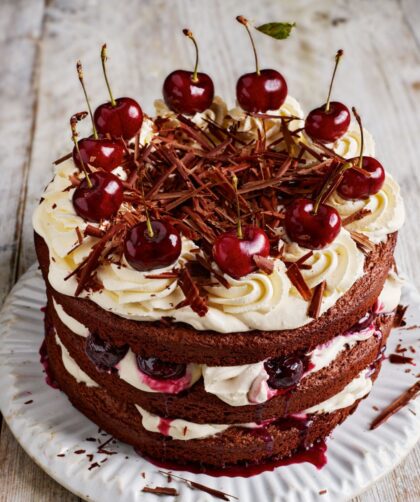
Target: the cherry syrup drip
pixel 44 360
pixel 315 455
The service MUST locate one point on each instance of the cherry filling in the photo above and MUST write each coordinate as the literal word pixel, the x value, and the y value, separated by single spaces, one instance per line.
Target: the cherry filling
pixel 104 355
pixel 161 370
pixel 284 372
pixel 364 322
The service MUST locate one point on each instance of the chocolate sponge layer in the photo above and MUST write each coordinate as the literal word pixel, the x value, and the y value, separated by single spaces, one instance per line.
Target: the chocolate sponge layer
pixel 235 445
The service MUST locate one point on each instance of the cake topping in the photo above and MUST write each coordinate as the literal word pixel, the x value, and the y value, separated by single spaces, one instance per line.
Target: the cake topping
pixel 367 179
pixel 329 122
pixel 312 225
pixel 99 196
pixel 262 90
pixel 103 153
pixel 151 245
pixel 188 92
pixel 120 118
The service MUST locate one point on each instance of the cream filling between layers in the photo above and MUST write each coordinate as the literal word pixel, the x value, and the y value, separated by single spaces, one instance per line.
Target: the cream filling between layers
pixel 185 430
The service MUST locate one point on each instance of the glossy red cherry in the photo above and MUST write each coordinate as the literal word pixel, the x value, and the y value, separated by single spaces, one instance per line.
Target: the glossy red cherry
pixel 330 121
pixel 122 120
pixel 188 92
pixel 161 370
pixel 183 94
pixel 101 153
pixel 262 91
pixel 356 185
pixel 234 256
pixel 328 126
pixel 309 229
pixel 101 200
pixel 144 251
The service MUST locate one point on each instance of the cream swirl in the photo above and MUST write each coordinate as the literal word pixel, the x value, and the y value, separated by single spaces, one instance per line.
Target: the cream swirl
pixel 339 264
pixel 348 146
pixel 216 112
pixel 253 125
pixel 386 208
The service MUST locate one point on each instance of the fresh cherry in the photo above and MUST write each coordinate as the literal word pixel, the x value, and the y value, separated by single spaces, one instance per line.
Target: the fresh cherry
pixel 309 228
pixel 101 153
pixel 104 355
pixel 329 125
pixel 99 196
pixel 330 121
pixel 356 185
pixel 284 372
pixel 234 255
pixel 261 90
pixel 188 92
pixel 120 118
pixel 152 244
pixel 160 370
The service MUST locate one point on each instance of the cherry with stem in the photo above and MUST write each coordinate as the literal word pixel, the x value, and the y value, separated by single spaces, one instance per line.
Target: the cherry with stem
pixel 234 251
pixel 330 121
pixel 364 176
pixel 74 135
pixel 261 90
pixel 99 152
pixel 119 118
pixel 188 92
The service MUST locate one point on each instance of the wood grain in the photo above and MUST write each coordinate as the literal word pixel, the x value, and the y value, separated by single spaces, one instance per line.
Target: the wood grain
pixel 40 43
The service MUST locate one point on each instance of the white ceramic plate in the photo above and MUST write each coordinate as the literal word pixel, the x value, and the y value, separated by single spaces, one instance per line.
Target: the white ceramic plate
pixel 48 426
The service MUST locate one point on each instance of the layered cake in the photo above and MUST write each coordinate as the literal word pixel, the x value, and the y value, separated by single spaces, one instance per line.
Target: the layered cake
pixel 221 282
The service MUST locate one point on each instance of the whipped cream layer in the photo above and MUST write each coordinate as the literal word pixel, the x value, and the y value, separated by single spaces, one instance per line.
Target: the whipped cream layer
pixel 386 211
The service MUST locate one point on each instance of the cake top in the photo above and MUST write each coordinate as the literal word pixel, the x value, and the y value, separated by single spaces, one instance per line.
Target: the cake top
pixel 227 220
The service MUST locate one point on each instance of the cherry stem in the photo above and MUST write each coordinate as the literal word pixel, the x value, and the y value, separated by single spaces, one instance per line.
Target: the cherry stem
pixel 104 59
pixel 80 74
pixel 148 222
pixel 189 34
pixel 362 139
pixel 338 56
pixel 74 135
pixel 238 209
pixel 245 22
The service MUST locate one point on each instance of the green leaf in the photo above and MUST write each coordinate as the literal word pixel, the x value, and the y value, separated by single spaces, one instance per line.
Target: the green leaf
pixel 279 31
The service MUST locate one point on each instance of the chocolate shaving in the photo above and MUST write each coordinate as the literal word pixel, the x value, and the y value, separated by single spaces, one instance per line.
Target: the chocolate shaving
pixel 399 359
pixel 79 235
pixel 63 158
pixel 193 297
pixel 203 488
pixel 265 264
pixel 296 278
pixel 399 316
pixel 316 302
pixel 362 242
pixel 160 490
pixel 396 405
pixel 93 231
pixel 358 215
pixel 163 275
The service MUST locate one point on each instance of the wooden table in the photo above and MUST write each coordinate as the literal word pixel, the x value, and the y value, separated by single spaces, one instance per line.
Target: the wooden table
pixel 41 39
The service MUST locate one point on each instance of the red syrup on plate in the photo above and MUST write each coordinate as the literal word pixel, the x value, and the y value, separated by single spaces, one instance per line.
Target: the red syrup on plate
pixel 49 377
pixel 315 455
